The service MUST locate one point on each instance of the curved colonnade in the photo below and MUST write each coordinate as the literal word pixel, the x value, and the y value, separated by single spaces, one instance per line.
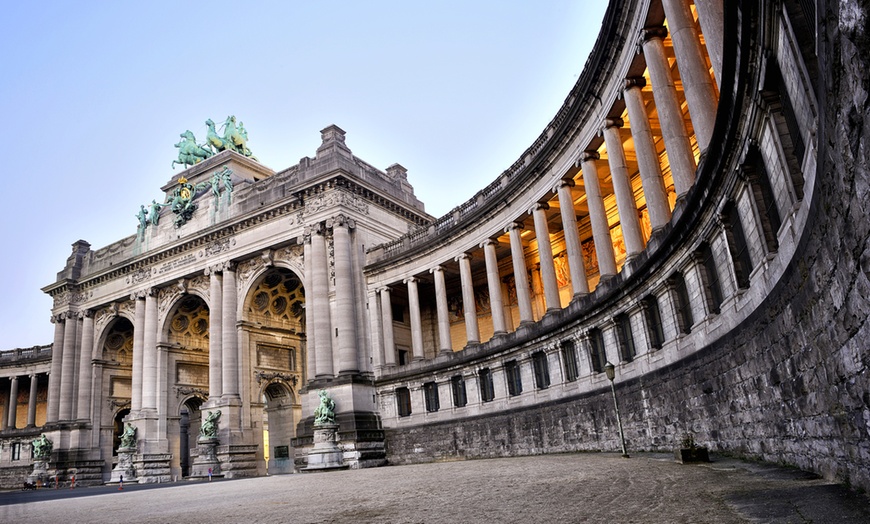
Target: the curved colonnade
pixel 653 225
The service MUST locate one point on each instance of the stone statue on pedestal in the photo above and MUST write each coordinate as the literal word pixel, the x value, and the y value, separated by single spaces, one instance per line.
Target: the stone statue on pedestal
pixel 209 425
pixel 128 437
pixel 41 448
pixel 325 412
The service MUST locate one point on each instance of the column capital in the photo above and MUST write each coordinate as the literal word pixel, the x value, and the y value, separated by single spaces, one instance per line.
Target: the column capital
pixel 213 269
pixel 411 279
pixel 613 122
pixel 588 155
pixel 340 220
pixel 539 206
pixel 462 256
pixel 384 289
pixel 648 33
pixel 437 268
pixel 267 256
pixel 489 242
pixel 634 82
pixel 514 225
pixel 138 295
pixel 569 182
pixel 88 313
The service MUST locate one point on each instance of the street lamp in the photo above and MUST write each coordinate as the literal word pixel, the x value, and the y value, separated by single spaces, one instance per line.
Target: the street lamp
pixel 610 371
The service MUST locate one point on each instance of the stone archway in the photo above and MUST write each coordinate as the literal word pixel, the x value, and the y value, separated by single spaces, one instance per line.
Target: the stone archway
pixel 190 419
pixel 274 339
pixel 279 427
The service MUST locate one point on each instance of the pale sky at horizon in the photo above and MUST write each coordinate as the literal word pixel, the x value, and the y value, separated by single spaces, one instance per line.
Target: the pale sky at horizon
pixel 95 94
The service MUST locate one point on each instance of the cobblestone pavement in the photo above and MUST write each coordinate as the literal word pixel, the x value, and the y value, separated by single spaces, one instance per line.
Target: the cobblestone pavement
pixel 589 487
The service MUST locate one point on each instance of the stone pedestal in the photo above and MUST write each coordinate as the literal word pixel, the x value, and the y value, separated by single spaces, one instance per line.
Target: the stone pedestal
pixel 40 476
pixel 206 459
pixel 325 455
pixel 124 469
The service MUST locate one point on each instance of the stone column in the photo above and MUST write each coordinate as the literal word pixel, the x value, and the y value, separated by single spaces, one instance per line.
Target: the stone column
pixel 149 353
pixel 53 411
pixel 31 400
pixel 674 131
pixel 647 157
pixel 521 276
pixel 387 320
pixel 83 405
pixel 625 201
pixel 545 253
pixel 416 324
pixel 579 285
pixel 320 296
pixel 67 378
pixel 697 84
pixel 711 16
pixel 344 296
pixel 472 333
pixel 215 333
pixel 12 406
pixel 308 261
pixel 493 282
pixel 598 216
pixel 445 344
pixel 138 348
pixel 230 336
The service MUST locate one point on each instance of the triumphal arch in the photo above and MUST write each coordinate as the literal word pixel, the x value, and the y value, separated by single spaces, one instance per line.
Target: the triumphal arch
pixel 690 230
pixel 241 291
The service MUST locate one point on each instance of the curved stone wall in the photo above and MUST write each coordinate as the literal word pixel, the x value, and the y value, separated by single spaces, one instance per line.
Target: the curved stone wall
pixel 771 363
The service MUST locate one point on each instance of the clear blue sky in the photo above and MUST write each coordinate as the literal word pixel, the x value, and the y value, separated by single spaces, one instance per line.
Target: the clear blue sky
pixel 94 95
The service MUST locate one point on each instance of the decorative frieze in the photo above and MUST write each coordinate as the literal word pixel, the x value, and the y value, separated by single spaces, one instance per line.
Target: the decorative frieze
pixel 140 275
pixel 217 247
pixel 267 376
pixel 335 199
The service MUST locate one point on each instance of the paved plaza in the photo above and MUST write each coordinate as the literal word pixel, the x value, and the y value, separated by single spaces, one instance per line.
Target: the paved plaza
pixel 590 487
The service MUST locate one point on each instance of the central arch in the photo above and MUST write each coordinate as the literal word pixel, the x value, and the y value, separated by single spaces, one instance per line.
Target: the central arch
pixel 273 331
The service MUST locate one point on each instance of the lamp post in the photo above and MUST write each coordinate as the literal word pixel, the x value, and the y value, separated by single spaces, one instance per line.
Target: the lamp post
pixel 610 371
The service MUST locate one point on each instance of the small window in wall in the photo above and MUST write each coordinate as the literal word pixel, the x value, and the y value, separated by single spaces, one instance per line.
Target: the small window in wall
pixel 737 246
pixel 597 354
pixel 402 356
pixel 403 401
pixel 457 385
pixel 653 322
pixel 398 313
pixel 710 275
pixel 569 360
pixel 681 303
pixel 514 380
pixel 487 392
pixel 430 395
pixel 626 340
pixel 542 369
pixel 16 451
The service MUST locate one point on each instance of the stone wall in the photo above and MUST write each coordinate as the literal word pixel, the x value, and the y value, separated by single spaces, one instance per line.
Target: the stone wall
pixel 791 384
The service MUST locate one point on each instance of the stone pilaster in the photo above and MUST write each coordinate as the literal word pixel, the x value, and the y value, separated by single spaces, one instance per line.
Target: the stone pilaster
pixel 387 321
pixel 545 253
pixel 215 333
pixel 12 406
pixel 445 343
pixel 31 400
pixel 697 83
pixel 472 332
pixel 647 156
pixel 625 202
pixel 577 269
pixel 83 405
pixel 674 131
pixel 230 336
pixel 348 361
pixel 138 348
pixel 598 216
pixel 149 354
pixel 416 324
pixel 521 276
pixel 320 296
pixel 493 282
pixel 68 373
pixel 53 410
